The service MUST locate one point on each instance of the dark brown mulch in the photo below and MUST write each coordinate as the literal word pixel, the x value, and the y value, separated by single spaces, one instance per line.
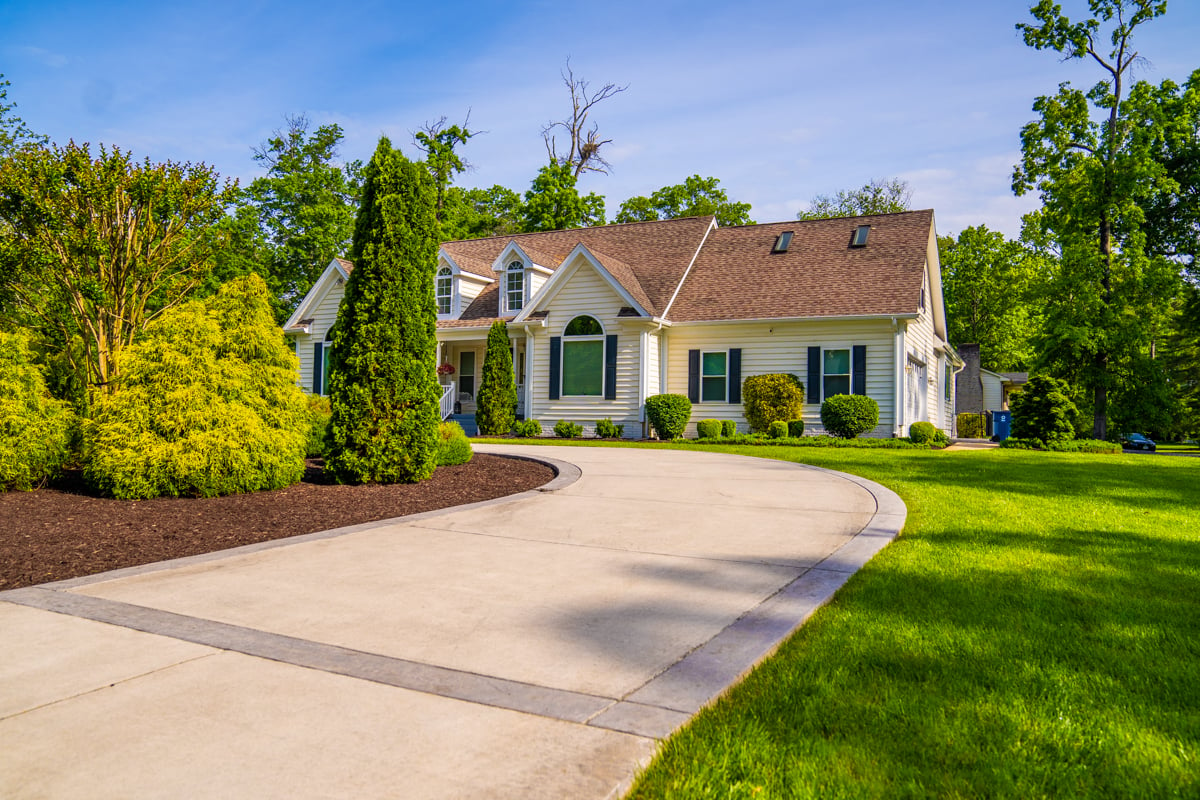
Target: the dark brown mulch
pixel 65 531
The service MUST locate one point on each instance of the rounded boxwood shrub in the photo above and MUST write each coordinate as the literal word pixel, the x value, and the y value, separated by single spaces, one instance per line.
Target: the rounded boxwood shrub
pixel 453 445
pixel 771 397
pixel 972 426
pixel 208 404
pixel 668 414
pixel 527 429
pixel 795 428
pixel 848 415
pixel 728 428
pixel 922 432
pixel 778 429
pixel 1043 410
pixel 35 429
pixel 709 429
pixel 565 429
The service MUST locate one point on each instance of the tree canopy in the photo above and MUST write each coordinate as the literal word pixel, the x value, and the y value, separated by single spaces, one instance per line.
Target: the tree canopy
pixel 695 197
pixel 879 196
pixel 553 203
pixel 14 132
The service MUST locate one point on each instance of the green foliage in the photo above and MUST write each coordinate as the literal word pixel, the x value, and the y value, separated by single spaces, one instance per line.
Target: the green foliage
pixel 849 415
pixel 382 373
pixel 453 446
pixel 765 440
pixel 990 288
pixel 13 131
pixel 771 397
pixel 922 432
pixel 879 196
pixel 795 428
pixel 99 245
pixel 668 414
pixel 1017 443
pixel 1043 410
pixel 972 426
pixel 1095 446
pixel 35 429
pixel 564 429
pixel 497 397
pixel 708 429
pixel 695 197
pixel 439 142
pixel 318 421
pixel 208 405
pixel 479 213
pixel 728 428
pixel 777 429
pixel 553 203
pixel 605 429
pixel 527 429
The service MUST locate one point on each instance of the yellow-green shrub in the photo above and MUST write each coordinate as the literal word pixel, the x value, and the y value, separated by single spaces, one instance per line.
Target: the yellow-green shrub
pixel 35 429
pixel 772 397
pixel 208 405
pixel 453 446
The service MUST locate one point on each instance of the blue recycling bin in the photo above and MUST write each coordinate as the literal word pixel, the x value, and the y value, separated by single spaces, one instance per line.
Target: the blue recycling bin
pixel 1002 424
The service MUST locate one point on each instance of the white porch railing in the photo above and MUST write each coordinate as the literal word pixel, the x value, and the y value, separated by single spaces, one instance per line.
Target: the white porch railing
pixel 447 400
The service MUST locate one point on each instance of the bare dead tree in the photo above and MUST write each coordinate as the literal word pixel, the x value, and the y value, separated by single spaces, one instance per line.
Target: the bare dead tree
pixel 584 155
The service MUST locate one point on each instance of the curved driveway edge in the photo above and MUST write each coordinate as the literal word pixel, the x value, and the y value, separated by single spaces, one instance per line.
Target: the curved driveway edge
pixel 536 646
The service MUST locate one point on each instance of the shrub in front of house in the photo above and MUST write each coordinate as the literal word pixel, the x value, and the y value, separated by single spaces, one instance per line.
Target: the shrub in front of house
pixel 318 425
pixel 849 415
pixel 453 445
pixel 1043 410
pixel 728 428
pixel 605 429
pixel 795 428
pixel 708 429
pixel 772 397
pixel 527 429
pixel 922 432
pixel 496 401
pixel 972 426
pixel 35 429
pixel 565 429
pixel 668 414
pixel 777 429
pixel 208 405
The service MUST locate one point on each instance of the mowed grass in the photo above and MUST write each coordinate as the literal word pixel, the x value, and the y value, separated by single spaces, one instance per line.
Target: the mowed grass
pixel 1035 632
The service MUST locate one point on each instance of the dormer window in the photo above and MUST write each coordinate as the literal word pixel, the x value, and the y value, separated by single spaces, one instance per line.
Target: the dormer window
pixel 514 287
pixel 445 290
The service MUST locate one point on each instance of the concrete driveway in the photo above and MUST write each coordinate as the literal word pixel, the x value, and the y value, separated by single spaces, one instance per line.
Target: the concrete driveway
pixel 534 646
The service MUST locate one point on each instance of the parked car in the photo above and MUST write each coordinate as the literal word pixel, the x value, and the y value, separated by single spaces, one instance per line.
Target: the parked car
pixel 1135 441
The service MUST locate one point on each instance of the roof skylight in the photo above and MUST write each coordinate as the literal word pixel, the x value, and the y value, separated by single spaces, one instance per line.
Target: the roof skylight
pixel 859 239
pixel 781 243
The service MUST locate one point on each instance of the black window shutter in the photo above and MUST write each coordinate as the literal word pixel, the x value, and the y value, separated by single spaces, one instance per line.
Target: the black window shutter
pixel 694 376
pixel 318 357
pixel 735 375
pixel 858 378
pixel 610 367
pixel 813 390
pixel 555 363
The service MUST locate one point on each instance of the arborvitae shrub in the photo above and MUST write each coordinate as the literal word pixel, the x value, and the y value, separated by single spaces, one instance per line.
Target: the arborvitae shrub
pixel 922 432
pixel 1043 410
pixel 453 445
pixel 35 429
pixel 605 429
pixel 564 429
pixel 382 377
pixel 767 398
pixel 709 429
pixel 777 429
pixel 972 426
pixel 848 415
pixel 728 428
pixel 497 397
pixel 527 428
pixel 668 414
pixel 208 404
pixel 318 420
pixel 795 428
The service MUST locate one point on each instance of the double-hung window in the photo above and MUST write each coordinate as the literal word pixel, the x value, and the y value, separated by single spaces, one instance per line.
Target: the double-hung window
pixel 445 290
pixel 583 358
pixel 836 379
pixel 514 287
pixel 714 373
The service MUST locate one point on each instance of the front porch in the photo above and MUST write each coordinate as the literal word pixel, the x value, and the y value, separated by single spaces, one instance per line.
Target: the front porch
pixel 460 370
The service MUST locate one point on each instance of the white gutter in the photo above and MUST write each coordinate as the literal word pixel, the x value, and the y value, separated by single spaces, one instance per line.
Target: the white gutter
pixel 834 318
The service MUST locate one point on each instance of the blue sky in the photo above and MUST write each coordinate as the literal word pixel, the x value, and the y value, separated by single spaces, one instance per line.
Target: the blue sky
pixel 780 100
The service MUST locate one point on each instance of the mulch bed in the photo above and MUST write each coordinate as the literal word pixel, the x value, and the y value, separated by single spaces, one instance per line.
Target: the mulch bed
pixel 65 531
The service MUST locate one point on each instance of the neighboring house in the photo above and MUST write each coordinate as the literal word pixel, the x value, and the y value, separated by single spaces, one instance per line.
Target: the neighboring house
pixel 982 391
pixel 602 318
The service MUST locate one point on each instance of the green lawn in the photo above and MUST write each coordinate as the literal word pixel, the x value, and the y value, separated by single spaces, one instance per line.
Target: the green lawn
pixel 1035 632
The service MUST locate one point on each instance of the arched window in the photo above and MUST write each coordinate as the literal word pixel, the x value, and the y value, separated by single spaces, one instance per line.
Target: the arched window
pixel 514 286
pixel 445 289
pixel 583 357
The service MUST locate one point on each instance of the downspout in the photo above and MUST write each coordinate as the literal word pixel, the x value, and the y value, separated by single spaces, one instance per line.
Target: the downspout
pixel 899 408
pixel 528 373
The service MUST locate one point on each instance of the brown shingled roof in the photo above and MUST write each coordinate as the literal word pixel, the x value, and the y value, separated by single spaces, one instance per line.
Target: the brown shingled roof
pixel 737 276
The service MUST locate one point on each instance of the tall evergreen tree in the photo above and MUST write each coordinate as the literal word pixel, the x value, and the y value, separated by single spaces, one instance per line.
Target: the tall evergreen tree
pixel 382 374
pixel 497 399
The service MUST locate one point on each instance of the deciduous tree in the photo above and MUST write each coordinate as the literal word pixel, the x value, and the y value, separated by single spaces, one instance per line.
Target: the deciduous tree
pixel 438 142
pixel 479 213
pixel 879 196
pixel 553 203
pixel 14 132
pixel 583 153
pixel 695 197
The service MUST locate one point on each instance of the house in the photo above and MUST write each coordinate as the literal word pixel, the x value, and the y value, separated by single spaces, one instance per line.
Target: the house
pixel 982 391
pixel 602 318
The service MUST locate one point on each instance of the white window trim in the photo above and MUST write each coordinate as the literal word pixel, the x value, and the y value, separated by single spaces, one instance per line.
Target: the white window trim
pixel 562 356
pixel 506 300
pixel 725 377
pixel 849 348
pixel 453 293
